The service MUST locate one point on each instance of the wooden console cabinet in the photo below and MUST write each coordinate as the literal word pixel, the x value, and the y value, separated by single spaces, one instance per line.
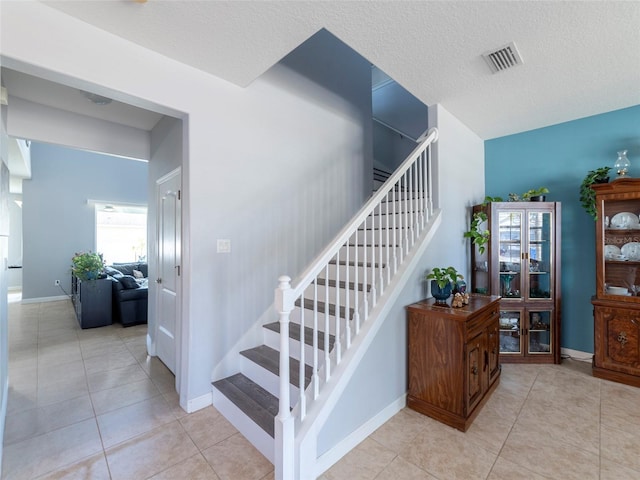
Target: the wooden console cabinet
pixel 92 301
pixel 454 358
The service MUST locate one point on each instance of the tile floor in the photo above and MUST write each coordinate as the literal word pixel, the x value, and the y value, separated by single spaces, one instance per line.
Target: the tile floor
pixel 90 404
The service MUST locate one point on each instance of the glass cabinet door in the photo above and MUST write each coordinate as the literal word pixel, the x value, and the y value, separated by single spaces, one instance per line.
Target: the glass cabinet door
pixel 621 250
pixel 510 332
pixel 540 337
pixel 510 255
pixel 540 254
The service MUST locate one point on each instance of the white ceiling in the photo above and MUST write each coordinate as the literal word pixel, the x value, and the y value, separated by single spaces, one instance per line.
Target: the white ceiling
pixel 580 58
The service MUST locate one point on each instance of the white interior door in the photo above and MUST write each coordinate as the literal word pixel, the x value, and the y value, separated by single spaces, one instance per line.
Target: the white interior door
pixel 169 228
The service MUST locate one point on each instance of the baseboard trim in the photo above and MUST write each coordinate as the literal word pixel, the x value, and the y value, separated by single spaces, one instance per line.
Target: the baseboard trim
pixel 45 299
pixel 577 354
pixel 3 415
pixel 151 346
pixel 198 403
pixel 331 457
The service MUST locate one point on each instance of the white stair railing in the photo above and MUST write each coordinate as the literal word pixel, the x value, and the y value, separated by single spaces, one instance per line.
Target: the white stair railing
pixel 395 215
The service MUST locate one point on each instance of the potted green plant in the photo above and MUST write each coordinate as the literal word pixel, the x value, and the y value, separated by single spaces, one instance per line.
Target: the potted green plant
pixel 87 265
pixel 587 195
pixel 535 195
pixel 479 236
pixel 442 282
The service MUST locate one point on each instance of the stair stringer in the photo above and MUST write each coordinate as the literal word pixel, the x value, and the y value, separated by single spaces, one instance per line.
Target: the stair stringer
pixel 307 465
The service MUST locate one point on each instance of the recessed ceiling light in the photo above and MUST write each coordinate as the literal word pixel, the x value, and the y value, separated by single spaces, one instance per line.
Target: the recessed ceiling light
pixel 97 99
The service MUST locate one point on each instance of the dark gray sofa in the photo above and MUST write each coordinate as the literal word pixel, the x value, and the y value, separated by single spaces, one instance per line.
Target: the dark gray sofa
pixel 129 294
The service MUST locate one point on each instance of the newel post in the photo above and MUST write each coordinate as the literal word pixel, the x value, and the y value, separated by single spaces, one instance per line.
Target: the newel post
pixel 284 422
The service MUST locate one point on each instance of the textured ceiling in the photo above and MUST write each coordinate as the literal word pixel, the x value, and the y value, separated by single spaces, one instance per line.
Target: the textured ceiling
pixel 580 58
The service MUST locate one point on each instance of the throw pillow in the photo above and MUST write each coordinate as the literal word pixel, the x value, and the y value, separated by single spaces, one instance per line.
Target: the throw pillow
pixel 138 274
pixel 112 271
pixel 128 282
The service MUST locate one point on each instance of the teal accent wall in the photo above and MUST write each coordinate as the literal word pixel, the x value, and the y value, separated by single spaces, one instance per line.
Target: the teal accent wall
pixel 559 157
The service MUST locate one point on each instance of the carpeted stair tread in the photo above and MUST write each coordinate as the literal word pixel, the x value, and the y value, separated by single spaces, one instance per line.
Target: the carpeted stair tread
pixel 251 398
pixel 269 359
pixel 294 333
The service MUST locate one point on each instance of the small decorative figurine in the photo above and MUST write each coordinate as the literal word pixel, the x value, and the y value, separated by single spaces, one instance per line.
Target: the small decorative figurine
pixel 457 301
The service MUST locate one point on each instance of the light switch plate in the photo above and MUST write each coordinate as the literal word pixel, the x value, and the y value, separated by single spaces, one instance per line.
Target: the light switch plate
pixel 224 245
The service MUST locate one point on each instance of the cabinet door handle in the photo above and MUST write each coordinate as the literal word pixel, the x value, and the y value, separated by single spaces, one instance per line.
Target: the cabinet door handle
pixel 622 338
pixel 486 360
pixel 474 369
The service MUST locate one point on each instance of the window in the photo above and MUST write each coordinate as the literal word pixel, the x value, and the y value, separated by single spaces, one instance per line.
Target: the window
pixel 121 232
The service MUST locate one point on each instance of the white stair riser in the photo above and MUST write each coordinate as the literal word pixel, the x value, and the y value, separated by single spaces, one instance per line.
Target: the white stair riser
pixel 402 220
pixel 258 437
pixel 266 379
pixel 330 293
pixel 352 273
pixel 373 236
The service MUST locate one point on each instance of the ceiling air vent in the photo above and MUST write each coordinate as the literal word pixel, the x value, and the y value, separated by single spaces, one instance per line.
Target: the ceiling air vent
pixel 503 58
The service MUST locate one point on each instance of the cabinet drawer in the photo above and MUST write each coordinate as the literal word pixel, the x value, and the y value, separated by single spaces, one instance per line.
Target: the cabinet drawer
pixel 476 325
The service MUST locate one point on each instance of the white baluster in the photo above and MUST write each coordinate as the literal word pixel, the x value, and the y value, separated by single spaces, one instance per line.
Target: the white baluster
pixel 387 240
pixel 356 306
pixel 430 182
pixel 410 207
pixel 316 367
pixel 380 251
pixel 302 398
pixel 425 214
pixel 373 293
pixel 405 211
pixel 416 199
pixel 365 269
pixel 337 343
pixel 395 231
pixel 347 304
pixel 327 366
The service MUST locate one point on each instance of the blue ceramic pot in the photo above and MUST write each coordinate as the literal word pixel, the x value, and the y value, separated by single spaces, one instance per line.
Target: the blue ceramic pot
pixel 440 294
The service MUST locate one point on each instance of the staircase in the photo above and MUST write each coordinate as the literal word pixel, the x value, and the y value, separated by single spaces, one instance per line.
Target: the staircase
pixel 287 386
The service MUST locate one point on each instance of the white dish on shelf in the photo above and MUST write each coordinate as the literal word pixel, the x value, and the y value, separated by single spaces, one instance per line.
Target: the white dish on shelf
pixel 631 250
pixel 611 251
pixel 618 291
pixel 625 221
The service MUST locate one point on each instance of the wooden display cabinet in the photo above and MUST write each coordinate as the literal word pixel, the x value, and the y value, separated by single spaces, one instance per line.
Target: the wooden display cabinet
pixel 454 358
pixel 521 263
pixel 616 303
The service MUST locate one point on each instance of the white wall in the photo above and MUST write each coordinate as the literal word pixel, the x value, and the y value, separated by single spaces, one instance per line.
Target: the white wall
pixel 251 155
pixel 57 219
pixel 4 252
pixel 15 242
pixel 381 378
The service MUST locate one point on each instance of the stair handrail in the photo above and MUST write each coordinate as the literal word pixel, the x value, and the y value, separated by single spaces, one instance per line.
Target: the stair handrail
pixel 285 295
pixel 429 137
